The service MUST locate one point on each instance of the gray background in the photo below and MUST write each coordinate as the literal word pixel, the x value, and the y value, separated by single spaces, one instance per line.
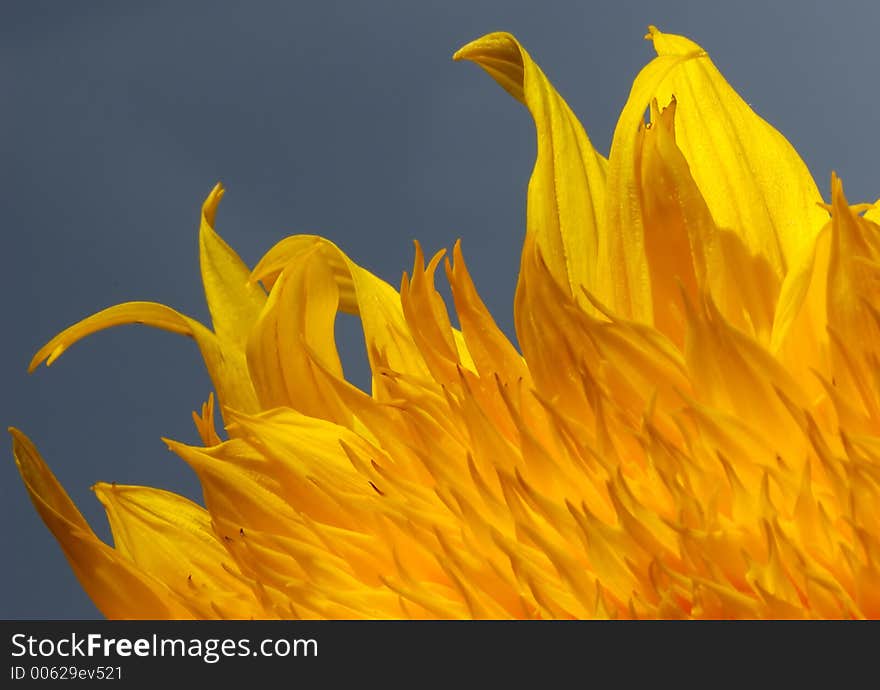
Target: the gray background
pixel 345 119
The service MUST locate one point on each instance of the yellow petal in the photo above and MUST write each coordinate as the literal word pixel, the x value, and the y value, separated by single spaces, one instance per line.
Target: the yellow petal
pixel 624 282
pixel 731 371
pixel 491 350
pixel 233 300
pixel 799 336
pixel 686 250
pixel 428 318
pixel 204 422
pixel 225 362
pixel 238 488
pixel 172 539
pixel 312 450
pixel 295 329
pixel 116 586
pixel 269 268
pixel 386 331
pixel 147 313
pixel 676 221
pixel 567 189
pixel 853 276
pixel 751 177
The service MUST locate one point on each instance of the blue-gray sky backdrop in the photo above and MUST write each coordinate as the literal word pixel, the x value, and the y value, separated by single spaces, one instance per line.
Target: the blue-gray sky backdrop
pixel 345 119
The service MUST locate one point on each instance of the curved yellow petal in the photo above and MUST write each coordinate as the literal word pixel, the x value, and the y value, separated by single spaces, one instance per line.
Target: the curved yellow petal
pixel 293 335
pixel 146 313
pixel 753 180
pixel 273 262
pixel 388 338
pixel 233 300
pixel 225 362
pixel 116 585
pixel 566 197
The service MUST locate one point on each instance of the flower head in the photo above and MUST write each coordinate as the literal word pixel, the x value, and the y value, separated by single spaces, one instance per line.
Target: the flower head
pixel 690 426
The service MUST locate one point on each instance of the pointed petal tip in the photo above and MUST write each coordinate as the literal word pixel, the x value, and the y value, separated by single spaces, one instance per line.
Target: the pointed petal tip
pixel 46 355
pixel 171 443
pixel 838 197
pixel 23 448
pixel 457 253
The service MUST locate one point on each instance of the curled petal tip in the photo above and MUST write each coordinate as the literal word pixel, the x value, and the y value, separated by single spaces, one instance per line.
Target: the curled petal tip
pixel 486 45
pixel 209 208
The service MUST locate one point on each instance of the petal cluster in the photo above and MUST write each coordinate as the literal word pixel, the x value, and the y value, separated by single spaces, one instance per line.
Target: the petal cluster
pixel 688 426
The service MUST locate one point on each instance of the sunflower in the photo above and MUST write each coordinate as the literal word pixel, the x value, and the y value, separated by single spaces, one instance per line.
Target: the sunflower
pixel 689 426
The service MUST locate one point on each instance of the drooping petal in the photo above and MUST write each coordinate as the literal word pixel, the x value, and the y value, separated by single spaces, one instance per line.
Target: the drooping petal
pixel 116 586
pixel 225 362
pixel 567 189
pixel 234 303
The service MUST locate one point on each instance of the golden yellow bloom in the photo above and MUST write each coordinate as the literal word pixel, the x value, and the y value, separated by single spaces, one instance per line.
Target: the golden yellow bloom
pixel 690 428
